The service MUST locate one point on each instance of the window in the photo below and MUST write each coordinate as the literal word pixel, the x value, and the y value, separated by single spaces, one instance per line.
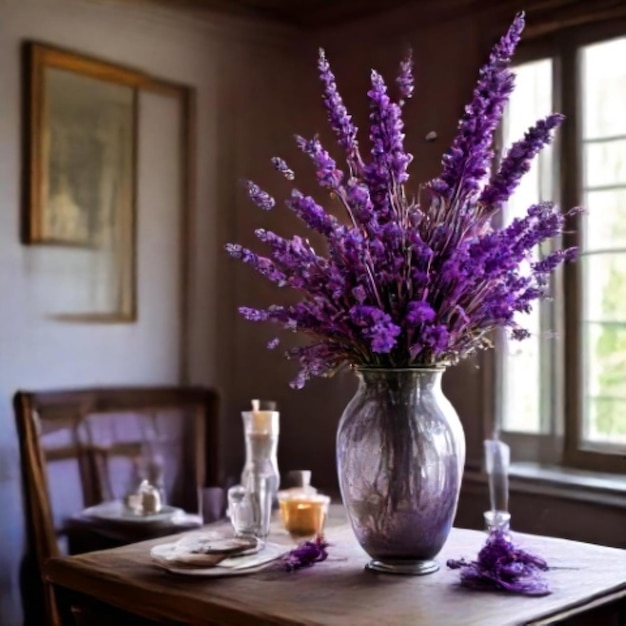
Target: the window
pixel 562 394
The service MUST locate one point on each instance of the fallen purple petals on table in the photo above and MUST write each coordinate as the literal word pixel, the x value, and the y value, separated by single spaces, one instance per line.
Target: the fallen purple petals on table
pixel 501 566
pixel 306 554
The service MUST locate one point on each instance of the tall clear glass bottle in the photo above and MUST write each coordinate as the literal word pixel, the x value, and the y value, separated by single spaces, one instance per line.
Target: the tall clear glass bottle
pixel 497 461
pixel 261 429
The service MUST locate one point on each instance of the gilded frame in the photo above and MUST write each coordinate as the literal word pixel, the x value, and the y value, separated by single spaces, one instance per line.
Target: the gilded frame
pixel 39 58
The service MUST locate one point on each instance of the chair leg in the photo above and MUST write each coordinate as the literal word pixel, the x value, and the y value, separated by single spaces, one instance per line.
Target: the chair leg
pixel 52 613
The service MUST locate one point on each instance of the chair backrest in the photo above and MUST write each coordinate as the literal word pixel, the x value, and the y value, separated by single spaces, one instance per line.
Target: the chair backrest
pixel 82 447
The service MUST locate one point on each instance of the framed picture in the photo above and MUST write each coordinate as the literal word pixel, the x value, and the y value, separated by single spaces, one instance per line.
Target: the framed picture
pixel 81 140
pixel 80 183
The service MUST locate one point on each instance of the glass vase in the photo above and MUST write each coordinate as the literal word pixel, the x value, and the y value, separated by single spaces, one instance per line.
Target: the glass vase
pixel 400 458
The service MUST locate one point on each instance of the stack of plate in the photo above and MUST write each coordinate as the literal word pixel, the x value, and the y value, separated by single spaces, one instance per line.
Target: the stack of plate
pixel 212 554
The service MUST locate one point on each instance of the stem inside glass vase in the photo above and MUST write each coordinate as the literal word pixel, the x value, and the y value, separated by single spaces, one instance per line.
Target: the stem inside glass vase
pixel 400 392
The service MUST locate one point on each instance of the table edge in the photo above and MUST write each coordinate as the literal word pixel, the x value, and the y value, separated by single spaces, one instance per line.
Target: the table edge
pixel 76 578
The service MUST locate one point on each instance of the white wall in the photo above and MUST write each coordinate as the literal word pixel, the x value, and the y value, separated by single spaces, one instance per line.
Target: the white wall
pixel 37 352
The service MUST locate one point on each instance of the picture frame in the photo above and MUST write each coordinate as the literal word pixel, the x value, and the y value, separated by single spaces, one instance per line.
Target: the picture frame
pixel 61 246
pixel 80 140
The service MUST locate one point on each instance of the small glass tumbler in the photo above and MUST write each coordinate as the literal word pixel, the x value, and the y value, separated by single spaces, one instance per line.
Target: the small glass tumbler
pixel 240 511
pixel 250 507
pixel 304 515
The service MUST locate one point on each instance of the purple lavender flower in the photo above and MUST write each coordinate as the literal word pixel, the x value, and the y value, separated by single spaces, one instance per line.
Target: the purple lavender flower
pixel 358 199
pixel 311 213
pixel 328 175
pixel 262 264
pixel 376 326
pixel 282 167
pixel 389 159
pixel 405 80
pixel 419 312
pixel 315 360
pixel 253 315
pixel 305 555
pixel 467 161
pixel 517 162
pixel 503 567
pixel 261 198
pixel 340 120
pixel 409 279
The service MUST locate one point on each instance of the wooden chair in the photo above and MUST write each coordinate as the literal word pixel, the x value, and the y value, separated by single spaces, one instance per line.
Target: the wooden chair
pixel 82 447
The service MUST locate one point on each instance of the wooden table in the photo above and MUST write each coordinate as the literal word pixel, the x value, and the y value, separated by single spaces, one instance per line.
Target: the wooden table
pixel 124 582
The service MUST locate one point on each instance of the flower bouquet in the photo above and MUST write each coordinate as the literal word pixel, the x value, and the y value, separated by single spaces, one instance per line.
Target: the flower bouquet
pixel 415 278
pixel 422 275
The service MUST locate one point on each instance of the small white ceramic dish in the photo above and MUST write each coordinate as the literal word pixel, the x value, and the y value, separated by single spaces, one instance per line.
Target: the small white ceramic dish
pixel 115 511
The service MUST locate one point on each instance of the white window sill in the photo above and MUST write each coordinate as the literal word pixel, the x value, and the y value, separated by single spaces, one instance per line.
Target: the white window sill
pixel 563 482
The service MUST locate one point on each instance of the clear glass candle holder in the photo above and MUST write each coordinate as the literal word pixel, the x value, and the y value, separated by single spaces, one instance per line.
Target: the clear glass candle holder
pixel 304 515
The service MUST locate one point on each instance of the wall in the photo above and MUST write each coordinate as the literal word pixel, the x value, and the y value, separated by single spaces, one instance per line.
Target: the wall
pixel 223 62
pixel 248 369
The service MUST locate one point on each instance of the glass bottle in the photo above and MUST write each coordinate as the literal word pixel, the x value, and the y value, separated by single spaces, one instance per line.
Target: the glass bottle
pixel 497 461
pixel 261 428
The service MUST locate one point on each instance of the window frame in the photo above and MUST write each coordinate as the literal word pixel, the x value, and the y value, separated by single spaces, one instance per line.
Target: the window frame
pixel 563 444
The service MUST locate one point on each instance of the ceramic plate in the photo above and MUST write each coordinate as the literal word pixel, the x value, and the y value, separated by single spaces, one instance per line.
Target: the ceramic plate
pixel 116 512
pixel 236 566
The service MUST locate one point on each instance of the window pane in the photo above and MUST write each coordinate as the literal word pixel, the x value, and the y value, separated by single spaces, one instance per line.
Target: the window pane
pixel 531 100
pixel 523 396
pixel 604 273
pixel 605 163
pixel 604 82
pixel 522 400
pixel 605 220
pixel 605 399
pixel 604 276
